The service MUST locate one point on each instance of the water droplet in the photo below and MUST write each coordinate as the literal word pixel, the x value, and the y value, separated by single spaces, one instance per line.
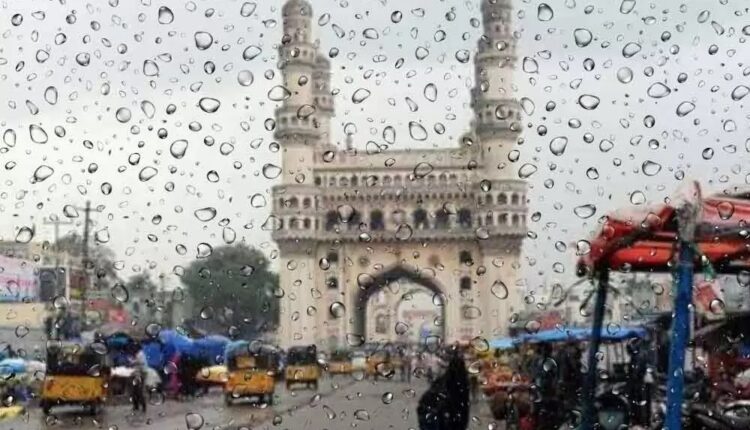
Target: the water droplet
pixel 245 78
pixel 404 232
pixel 558 144
pixel 389 135
pixel 147 173
pixel 205 214
pixel 526 170
pixel 209 104
pixel 165 15
pixel 387 398
pixel 41 173
pixel 337 310
pixel 178 148
pixel 9 137
pixel 582 37
pixel 422 169
pixel 430 92
pixel 21 331
pixel 588 101
pixel 362 414
pixel 24 235
pixel 417 131
pixel 637 198
pixel 530 65
pixel 685 108
pixel 370 33
pixel 480 344
pixel 148 108
pixel 716 306
pixel 83 59
pixel 463 56
pixel 499 290
pixel 630 49
pixel 360 95
pixel 725 210
pixel 102 236
pixel 203 40
pixel 658 90
pixel 271 171
pixel 120 293
pixel 37 134
pixel 194 421
pixel 739 92
pixel 50 95
pixel 396 16
pixel 123 115
pixel 624 75
pixel 279 93
pixel 251 52
pixel 544 12
pixel 150 68
pixel 650 168
pixel 247 9
pixel 585 211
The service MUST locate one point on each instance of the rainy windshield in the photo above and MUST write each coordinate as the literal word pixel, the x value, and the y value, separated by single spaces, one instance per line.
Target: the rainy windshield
pixel 485 214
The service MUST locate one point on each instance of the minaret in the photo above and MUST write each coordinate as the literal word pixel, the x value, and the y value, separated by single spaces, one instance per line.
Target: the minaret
pixel 497 112
pixel 302 126
pixel 497 128
pixel 297 127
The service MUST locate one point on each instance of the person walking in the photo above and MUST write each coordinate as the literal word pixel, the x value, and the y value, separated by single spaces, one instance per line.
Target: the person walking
pixel 138 384
pixel 446 404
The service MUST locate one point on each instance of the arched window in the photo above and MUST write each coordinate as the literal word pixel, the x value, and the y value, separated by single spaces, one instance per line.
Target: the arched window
pixel 465 283
pixel 293 202
pixel 354 181
pixel 514 199
pixel 332 283
pixel 332 219
pixel 464 218
pixel 333 257
pixel 514 220
pixel 464 257
pixel 294 223
pixel 502 199
pixel 443 179
pixel 355 219
pixel 376 220
pixel 442 218
pixel 503 219
pixel 332 181
pixel 420 219
pixel 397 181
pixel 489 219
pixel 306 224
pixel 386 181
pixel 306 203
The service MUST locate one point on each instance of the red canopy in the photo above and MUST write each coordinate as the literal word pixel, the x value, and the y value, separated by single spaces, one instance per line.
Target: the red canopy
pixel 646 239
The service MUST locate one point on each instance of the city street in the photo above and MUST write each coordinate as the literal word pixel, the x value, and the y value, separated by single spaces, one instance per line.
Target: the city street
pixel 341 403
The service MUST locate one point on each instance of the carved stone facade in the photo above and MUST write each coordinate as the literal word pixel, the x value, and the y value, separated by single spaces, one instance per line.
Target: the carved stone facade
pixel 348 223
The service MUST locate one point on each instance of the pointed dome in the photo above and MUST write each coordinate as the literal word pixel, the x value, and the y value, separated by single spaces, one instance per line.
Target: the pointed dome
pixel 297 7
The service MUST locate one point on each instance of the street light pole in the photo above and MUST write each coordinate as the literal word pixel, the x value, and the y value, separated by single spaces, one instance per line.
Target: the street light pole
pixel 85 260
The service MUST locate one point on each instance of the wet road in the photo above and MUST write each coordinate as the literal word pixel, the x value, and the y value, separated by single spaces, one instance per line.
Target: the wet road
pixel 340 403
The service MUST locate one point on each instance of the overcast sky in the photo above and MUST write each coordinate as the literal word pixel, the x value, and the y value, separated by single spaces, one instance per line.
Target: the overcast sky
pixel 100 58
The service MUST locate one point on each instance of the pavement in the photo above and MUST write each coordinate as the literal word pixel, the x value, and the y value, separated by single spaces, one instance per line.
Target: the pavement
pixel 340 403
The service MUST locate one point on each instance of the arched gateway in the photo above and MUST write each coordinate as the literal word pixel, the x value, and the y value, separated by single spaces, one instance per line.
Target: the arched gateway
pixel 400 304
pixel 348 223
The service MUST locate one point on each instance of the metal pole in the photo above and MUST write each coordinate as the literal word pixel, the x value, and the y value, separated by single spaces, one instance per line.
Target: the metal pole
pixel 680 334
pixel 589 383
pixel 85 261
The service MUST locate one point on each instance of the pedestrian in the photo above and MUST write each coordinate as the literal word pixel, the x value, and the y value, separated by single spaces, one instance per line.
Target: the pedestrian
pixel 138 383
pixel 545 378
pixel 636 384
pixel 445 405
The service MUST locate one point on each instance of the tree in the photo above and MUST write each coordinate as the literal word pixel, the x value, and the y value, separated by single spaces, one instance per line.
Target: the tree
pixel 234 289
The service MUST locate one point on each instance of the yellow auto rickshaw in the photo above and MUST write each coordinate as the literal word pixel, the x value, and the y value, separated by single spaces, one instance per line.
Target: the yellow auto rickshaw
pixel 251 372
pixel 379 363
pixel 76 375
pixel 340 363
pixel 302 366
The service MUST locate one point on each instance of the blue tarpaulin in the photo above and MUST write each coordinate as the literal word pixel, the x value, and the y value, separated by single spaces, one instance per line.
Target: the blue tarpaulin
pixel 210 348
pixel 580 334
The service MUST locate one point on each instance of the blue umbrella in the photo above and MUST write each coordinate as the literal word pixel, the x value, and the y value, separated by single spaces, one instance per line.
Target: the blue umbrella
pixel 12 366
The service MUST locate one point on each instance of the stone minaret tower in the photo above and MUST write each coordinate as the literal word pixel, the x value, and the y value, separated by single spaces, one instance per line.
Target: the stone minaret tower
pixel 302 129
pixel 497 127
